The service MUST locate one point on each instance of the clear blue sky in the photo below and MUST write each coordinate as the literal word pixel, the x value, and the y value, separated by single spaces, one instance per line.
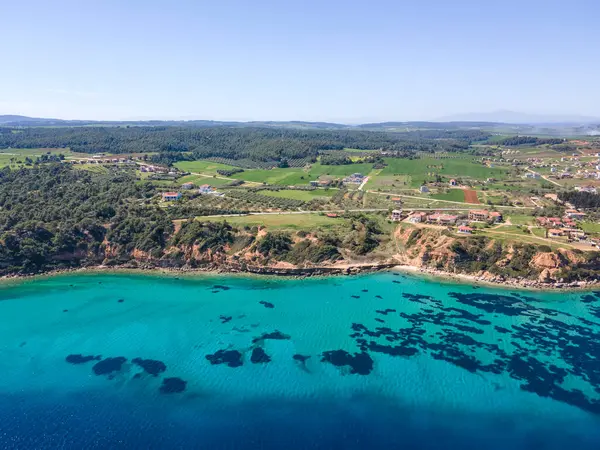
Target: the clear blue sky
pixel 336 60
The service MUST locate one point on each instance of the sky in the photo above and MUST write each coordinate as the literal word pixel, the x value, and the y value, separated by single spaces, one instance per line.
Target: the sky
pixel 316 60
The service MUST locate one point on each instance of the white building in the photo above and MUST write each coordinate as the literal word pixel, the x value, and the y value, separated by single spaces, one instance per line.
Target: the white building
pixel 396 215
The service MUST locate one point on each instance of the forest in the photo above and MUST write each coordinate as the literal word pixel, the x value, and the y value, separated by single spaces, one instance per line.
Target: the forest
pixel 582 200
pixel 256 144
pixel 530 140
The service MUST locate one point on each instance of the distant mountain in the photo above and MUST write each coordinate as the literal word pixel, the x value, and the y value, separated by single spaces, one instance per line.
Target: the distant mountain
pixel 512 117
pixel 9 119
pixel 24 121
pixel 503 122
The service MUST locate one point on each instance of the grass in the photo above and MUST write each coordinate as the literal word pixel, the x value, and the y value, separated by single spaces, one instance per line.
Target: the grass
pixel 389 183
pixel 97 168
pixel 520 219
pixel 301 195
pixel 454 195
pixel 280 221
pixel 293 176
pixel 514 229
pixel 19 154
pixel 590 227
pixel 199 180
pixel 201 166
pixel 424 168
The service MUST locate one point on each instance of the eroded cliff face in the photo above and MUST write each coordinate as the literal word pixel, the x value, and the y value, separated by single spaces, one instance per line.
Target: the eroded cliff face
pixel 485 257
pixel 426 248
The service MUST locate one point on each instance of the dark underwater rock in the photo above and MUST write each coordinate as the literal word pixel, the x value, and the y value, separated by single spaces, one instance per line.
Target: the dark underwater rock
pixel 259 356
pixel 275 335
pixel 109 365
pixel 150 366
pixel 232 358
pixel 172 385
pixel 81 359
pixel 359 363
pixel 268 305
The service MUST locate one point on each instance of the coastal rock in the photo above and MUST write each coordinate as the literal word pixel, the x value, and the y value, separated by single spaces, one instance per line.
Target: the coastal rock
pixel 545 276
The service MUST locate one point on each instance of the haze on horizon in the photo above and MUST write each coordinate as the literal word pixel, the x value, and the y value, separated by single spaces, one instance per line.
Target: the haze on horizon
pixel 335 61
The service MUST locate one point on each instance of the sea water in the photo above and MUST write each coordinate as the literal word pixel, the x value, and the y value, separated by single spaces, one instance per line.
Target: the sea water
pixel 376 361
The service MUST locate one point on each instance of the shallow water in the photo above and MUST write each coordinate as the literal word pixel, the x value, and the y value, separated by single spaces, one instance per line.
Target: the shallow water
pixel 384 360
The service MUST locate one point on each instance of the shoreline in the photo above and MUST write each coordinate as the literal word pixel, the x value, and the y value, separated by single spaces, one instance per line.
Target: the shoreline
pixel 316 272
pixel 499 281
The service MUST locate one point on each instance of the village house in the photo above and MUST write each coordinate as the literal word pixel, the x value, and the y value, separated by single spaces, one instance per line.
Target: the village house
pixel 479 215
pixel 417 217
pixel 447 219
pixel 533 175
pixel 463 229
pixel 574 214
pixel 577 235
pixel 171 196
pixel 354 178
pixel 589 189
pixel 187 186
pixel 331 215
pixel 396 215
pixel 206 189
pixel 453 182
pixel 423 189
pixel 496 216
pixel 553 232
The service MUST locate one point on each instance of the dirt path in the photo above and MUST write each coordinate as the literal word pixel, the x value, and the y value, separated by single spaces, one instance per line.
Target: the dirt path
pixel 545 178
pixel 466 205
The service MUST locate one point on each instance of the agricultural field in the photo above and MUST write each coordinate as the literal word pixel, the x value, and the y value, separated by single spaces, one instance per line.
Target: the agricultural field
pixel 301 194
pixel 199 180
pixel 453 195
pixel 202 166
pixel 423 169
pixel 590 227
pixel 519 219
pixel 306 221
pixel 96 168
pixel 12 156
pixel 293 176
pixel 390 183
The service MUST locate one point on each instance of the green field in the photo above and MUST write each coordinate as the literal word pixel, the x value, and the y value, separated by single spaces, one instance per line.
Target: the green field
pixel 520 219
pixel 453 195
pixel 280 221
pixel 293 176
pixel 199 180
pixel 201 166
pixel 301 195
pixel 13 155
pixel 590 227
pixel 419 169
pixel 97 168
pixel 389 183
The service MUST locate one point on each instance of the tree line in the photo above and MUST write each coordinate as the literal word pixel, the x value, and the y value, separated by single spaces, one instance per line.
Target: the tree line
pixel 257 144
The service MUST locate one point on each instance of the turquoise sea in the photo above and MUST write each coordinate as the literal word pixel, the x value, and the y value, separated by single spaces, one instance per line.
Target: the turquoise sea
pixel 376 361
